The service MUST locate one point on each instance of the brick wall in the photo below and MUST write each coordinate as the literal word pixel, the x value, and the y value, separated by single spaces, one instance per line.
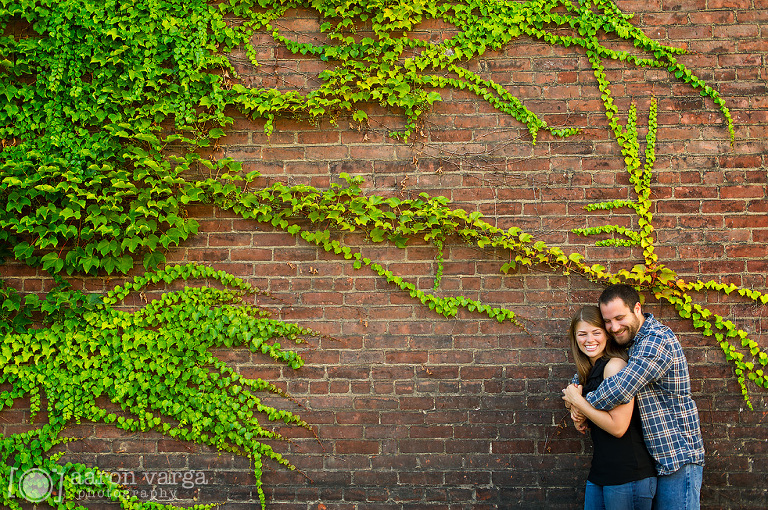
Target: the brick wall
pixel 413 410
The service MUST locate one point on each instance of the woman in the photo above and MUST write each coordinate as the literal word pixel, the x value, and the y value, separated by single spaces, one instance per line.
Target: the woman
pixel 622 475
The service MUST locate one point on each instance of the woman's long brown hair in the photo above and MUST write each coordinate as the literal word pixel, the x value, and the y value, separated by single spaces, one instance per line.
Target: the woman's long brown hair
pixel 591 315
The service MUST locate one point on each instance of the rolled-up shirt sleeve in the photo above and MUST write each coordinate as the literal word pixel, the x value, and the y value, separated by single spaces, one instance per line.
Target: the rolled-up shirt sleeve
pixel 648 361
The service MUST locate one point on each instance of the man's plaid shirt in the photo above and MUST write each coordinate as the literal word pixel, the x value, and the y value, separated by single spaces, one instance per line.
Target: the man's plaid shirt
pixel 657 373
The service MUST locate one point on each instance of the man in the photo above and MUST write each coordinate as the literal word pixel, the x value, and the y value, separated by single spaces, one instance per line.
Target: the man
pixel 657 374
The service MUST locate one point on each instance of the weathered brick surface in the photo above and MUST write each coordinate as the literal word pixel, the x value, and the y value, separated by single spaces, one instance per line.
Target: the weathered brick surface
pixel 413 410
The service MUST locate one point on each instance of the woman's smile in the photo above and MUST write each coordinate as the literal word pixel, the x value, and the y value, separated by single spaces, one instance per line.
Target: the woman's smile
pixel 591 340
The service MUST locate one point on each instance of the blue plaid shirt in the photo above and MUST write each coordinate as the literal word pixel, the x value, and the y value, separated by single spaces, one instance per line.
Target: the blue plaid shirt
pixel 657 373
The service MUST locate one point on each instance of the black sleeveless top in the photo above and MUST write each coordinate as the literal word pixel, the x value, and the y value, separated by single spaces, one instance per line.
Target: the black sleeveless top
pixel 617 460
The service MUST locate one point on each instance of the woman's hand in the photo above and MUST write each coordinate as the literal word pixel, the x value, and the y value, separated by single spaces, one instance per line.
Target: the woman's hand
pixel 577 415
pixel 571 395
pixel 579 420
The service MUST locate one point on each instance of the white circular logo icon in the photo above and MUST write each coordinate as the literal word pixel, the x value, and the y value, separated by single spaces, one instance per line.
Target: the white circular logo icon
pixel 35 485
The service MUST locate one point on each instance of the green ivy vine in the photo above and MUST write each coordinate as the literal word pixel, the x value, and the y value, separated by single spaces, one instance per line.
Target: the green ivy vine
pixel 94 93
pixel 155 368
pixel 107 107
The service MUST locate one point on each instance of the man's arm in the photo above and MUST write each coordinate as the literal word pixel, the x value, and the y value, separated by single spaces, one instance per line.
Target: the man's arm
pixel 649 361
pixel 615 421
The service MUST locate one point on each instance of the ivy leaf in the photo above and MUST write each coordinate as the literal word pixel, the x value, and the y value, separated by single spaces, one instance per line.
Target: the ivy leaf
pixel 399 240
pixel 377 235
pixel 153 259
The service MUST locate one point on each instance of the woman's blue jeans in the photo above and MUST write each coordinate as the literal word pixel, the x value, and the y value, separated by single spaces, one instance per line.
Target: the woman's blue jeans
pixel 637 495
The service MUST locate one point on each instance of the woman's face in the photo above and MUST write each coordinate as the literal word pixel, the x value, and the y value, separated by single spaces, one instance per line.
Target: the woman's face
pixel 591 340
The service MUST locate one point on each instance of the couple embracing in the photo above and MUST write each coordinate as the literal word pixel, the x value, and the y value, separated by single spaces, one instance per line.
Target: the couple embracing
pixel 633 392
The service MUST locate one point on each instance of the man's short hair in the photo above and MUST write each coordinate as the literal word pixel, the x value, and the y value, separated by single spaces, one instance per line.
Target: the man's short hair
pixel 625 292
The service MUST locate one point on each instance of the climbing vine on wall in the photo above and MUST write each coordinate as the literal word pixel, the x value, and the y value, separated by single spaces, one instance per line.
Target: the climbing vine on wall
pixel 155 368
pixel 95 93
pixel 107 106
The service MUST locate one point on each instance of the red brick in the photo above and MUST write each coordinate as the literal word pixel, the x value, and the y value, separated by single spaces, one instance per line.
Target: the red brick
pixel 229 239
pixel 748 251
pixel 422 446
pixel 282 153
pixel 357 447
pixel 412 357
pixel 746 221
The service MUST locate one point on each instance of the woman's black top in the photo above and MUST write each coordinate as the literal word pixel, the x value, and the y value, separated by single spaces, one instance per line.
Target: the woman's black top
pixel 617 460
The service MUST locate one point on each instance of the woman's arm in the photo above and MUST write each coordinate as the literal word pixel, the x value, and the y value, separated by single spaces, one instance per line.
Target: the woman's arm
pixel 615 421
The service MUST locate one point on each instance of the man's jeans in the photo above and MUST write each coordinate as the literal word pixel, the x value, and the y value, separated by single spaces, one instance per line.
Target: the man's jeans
pixel 681 490
pixel 628 496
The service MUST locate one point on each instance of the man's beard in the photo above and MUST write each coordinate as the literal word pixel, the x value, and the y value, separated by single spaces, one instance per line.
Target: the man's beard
pixel 628 332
